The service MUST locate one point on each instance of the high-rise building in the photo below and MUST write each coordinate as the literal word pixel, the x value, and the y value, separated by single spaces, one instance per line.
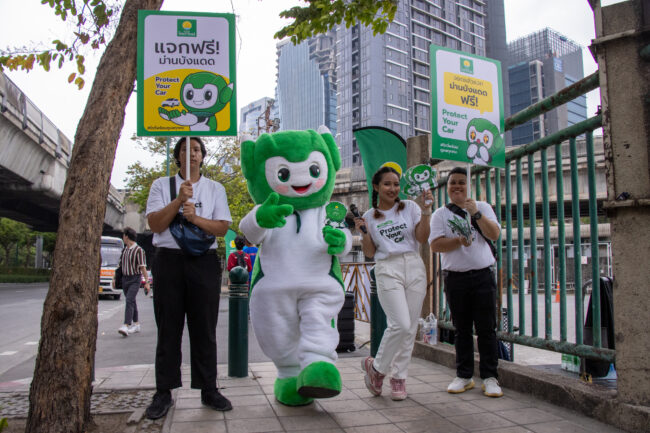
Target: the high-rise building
pixel 306 83
pixel 383 80
pixel 541 64
pixel 259 117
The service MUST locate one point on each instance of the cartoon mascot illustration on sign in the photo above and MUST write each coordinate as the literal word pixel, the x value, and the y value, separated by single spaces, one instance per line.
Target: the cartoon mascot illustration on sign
pixel 483 141
pixel 297 288
pixel 203 94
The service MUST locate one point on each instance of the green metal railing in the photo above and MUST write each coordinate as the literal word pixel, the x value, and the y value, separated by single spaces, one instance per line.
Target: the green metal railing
pixel 534 155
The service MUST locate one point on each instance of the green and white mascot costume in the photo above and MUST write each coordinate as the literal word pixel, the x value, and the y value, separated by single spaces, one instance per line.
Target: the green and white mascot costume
pixel 296 288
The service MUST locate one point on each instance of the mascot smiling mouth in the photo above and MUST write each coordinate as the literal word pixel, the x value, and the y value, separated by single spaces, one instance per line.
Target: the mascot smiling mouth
pixel 301 189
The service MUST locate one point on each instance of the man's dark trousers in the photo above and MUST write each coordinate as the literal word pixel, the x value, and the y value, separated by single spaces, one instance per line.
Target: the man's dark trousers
pixel 130 287
pixel 472 301
pixel 186 285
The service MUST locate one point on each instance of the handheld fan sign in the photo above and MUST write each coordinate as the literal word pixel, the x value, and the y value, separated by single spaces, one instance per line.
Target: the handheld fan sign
pixel 335 212
pixel 419 178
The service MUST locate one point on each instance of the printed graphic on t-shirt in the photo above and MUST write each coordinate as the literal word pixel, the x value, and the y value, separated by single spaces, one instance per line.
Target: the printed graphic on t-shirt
pixel 391 230
pixel 460 227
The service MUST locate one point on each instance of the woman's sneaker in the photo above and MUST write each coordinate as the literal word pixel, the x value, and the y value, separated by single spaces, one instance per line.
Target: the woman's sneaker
pixel 491 387
pixel 398 389
pixel 459 385
pixel 374 380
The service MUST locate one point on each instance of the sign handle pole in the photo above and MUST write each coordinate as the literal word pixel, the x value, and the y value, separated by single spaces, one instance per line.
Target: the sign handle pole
pixel 469 190
pixel 188 176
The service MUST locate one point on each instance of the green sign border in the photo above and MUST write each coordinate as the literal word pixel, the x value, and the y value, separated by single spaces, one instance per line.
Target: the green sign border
pixel 232 131
pixel 433 49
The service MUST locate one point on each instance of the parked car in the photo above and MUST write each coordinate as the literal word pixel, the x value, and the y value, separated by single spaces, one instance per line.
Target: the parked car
pixel 111 250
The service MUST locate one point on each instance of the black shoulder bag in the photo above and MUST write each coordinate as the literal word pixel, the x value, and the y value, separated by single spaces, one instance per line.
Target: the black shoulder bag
pixel 118 272
pixel 460 212
pixel 191 239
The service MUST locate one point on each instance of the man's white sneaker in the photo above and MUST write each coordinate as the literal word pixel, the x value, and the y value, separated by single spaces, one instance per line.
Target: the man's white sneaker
pixel 134 328
pixel 124 330
pixel 459 385
pixel 491 387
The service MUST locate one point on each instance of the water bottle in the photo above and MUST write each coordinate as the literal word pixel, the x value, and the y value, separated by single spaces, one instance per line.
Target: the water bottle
pixel 433 332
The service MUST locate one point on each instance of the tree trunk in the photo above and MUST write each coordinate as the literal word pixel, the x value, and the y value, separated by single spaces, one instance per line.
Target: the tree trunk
pixel 59 399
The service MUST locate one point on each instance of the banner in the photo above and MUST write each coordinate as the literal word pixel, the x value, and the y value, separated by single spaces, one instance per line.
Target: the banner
pixel 467 117
pixel 186 74
pixel 229 239
pixel 381 146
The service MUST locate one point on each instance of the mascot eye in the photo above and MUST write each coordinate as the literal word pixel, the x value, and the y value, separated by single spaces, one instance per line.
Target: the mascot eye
pixel 208 95
pixel 486 139
pixel 472 135
pixel 189 95
pixel 314 170
pixel 283 174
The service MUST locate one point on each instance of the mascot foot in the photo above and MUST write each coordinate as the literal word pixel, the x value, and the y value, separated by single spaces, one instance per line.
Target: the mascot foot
pixel 319 380
pixel 285 392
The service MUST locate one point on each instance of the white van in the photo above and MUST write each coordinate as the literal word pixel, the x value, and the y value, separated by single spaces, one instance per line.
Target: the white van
pixel 111 250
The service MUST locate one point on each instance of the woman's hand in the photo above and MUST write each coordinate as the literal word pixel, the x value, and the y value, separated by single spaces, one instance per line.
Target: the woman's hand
pixel 360 222
pixel 426 202
pixel 189 211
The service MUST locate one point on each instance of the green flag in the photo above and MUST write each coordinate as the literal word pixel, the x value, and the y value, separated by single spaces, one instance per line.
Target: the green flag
pixel 380 146
pixel 230 242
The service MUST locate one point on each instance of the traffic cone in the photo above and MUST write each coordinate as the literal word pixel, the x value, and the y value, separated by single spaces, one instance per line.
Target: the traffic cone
pixel 557 293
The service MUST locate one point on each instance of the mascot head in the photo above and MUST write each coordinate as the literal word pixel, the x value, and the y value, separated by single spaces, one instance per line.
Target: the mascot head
pixel 484 133
pixel 300 166
pixel 205 93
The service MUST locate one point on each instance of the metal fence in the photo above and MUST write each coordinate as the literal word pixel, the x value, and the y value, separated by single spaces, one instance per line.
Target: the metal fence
pixel 512 273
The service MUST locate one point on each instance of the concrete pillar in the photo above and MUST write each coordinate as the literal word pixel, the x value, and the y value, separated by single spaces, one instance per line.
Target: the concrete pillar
pixel 621 33
pixel 38 258
pixel 418 151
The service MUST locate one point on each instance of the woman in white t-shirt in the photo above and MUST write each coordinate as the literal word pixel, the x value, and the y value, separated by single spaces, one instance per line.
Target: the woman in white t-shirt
pixel 394 230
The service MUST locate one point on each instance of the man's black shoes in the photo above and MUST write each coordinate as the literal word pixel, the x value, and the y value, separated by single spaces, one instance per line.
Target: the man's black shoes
pixel 213 399
pixel 162 401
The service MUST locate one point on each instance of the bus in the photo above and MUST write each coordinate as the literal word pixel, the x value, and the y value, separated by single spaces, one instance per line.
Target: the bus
pixel 111 250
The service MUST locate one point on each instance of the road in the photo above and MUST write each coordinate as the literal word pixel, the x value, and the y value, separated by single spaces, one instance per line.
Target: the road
pixel 21 307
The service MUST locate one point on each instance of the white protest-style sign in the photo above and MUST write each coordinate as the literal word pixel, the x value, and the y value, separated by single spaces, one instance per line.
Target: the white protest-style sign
pixel 186 74
pixel 467 117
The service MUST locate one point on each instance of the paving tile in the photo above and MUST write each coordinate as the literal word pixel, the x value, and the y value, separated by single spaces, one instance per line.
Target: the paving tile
pixel 341 406
pixel 308 410
pixel 502 403
pixel 245 412
pixel 557 427
pixel 240 390
pixel 433 424
pixel 419 388
pixel 302 423
pixel 434 397
pixel 197 415
pixel 199 427
pixel 346 394
pixel 379 428
pixel 188 393
pixel 385 402
pixel 351 376
pixel 479 421
pixel 188 403
pixel 516 429
pixel 248 400
pixel 363 418
pixel 355 384
pixel 454 408
pixel 527 415
pixel 409 413
pixel 259 425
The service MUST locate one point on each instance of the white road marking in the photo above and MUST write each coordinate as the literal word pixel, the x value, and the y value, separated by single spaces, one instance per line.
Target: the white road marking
pixel 31 343
pixel 9 352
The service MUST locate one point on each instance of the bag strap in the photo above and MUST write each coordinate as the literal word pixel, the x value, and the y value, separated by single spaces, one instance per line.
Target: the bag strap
pixel 172 187
pixel 462 213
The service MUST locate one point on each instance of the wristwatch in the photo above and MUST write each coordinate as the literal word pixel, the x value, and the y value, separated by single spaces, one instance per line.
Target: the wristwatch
pixel 477 216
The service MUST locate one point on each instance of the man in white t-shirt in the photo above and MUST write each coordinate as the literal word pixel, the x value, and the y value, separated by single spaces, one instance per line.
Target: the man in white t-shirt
pixel 470 286
pixel 187 286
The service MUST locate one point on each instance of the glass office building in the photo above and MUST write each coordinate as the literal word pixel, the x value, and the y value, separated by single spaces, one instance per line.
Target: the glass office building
pixel 259 117
pixel 541 64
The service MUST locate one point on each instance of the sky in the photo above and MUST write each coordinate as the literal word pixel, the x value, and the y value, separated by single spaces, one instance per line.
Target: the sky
pixel 27 23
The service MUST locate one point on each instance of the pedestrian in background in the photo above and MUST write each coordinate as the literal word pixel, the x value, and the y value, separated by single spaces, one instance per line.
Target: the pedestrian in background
pixel 251 250
pixel 239 257
pixel 394 230
pixel 470 284
pixel 134 267
pixel 187 286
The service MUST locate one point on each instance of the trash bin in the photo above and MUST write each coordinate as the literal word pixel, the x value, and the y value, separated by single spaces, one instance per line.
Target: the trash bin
pixel 345 325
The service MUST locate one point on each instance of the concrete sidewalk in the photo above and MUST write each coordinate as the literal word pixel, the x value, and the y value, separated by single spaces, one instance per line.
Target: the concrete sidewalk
pixel 429 407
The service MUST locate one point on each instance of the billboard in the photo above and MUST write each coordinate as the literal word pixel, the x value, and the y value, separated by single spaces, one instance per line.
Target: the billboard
pixel 467 117
pixel 186 74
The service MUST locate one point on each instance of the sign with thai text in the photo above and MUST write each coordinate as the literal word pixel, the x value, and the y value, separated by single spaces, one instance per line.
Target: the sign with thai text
pixel 467 117
pixel 186 74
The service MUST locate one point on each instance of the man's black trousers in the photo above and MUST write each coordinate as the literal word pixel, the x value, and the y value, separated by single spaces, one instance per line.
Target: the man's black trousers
pixel 186 286
pixel 472 301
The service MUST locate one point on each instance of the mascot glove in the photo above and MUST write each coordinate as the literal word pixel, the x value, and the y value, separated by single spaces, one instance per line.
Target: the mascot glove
pixel 270 215
pixel 335 238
